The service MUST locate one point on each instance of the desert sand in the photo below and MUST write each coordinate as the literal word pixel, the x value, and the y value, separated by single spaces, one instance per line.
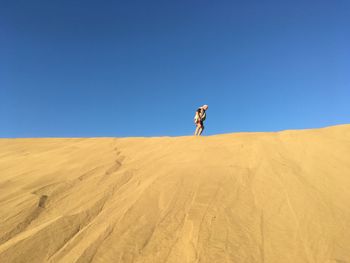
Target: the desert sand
pixel 244 197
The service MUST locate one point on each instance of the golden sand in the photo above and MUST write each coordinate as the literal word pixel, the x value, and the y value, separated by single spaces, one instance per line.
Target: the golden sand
pixel 247 197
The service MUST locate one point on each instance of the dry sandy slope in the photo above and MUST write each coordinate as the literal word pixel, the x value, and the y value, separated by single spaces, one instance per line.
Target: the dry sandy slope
pixel 249 197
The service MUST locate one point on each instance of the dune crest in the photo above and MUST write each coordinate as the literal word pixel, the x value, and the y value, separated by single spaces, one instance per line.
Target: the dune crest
pixel 246 197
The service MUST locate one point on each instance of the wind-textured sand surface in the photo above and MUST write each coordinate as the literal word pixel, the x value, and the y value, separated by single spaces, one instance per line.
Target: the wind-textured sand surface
pixel 247 197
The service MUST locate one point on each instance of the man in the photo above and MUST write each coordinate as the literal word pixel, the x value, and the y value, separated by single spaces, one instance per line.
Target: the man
pixel 199 118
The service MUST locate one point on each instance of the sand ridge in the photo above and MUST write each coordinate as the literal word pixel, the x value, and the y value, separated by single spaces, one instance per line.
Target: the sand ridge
pixel 245 197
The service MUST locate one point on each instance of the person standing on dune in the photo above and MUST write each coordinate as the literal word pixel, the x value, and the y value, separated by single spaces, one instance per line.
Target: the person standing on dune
pixel 199 118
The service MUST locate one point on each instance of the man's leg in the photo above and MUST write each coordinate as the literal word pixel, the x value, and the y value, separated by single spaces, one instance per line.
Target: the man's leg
pixel 201 130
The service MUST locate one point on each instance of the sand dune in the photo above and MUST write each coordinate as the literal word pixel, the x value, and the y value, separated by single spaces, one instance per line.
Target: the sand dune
pixel 247 197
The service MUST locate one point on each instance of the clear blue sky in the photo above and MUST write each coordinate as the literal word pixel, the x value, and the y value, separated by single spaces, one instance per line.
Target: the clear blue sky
pixel 141 68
